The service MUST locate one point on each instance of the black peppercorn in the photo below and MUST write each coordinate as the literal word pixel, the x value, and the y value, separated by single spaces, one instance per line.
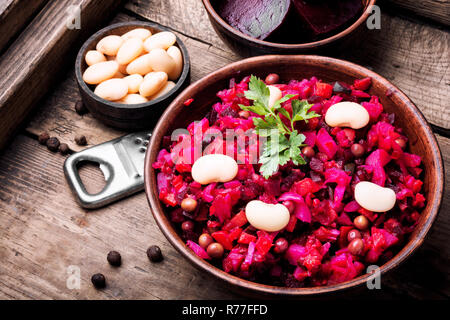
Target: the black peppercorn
pixel 98 280
pixel 64 148
pixel 80 140
pixel 80 108
pixel 43 137
pixel 53 144
pixel 154 254
pixel 114 258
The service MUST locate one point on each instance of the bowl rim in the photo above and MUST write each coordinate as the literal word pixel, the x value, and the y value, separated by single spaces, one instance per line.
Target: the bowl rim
pixel 249 286
pixel 289 46
pixel 80 59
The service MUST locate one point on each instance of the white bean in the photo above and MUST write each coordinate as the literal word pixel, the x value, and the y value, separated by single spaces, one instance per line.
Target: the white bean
pixel 112 89
pixel 140 33
pixel 153 82
pixel 176 55
pixel 266 216
pixel 161 40
pixel 275 95
pixel 109 45
pixel 133 99
pixel 214 168
pixel 140 65
pixel 122 67
pixel 373 197
pixel 100 72
pixel 160 60
pixel 167 87
pixel 347 114
pixel 93 56
pixel 134 81
pixel 130 50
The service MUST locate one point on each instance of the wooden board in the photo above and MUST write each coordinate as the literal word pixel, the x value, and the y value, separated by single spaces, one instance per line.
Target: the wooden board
pixel 14 15
pixel 57 116
pixel 414 56
pixel 437 10
pixel 32 63
pixel 44 232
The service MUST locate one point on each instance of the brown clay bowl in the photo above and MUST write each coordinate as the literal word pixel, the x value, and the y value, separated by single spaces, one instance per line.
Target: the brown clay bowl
pixel 422 142
pixel 123 116
pixel 247 45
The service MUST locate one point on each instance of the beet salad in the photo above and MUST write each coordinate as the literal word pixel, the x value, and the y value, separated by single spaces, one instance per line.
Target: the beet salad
pixel 295 184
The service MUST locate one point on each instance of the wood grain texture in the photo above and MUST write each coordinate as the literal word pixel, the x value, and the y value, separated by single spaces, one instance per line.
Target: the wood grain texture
pixel 14 14
pixel 31 63
pixel 39 241
pixel 56 112
pixel 437 10
pixel 44 231
pixel 414 56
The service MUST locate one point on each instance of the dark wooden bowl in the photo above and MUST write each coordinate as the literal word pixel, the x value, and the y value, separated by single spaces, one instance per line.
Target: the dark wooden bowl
pixel 248 46
pixel 422 142
pixel 122 116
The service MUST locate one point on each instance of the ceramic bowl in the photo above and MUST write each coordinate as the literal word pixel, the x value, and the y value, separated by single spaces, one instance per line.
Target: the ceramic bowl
pixel 422 142
pixel 123 116
pixel 247 45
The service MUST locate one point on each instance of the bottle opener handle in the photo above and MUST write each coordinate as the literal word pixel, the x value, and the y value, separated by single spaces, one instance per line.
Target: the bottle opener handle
pixel 122 163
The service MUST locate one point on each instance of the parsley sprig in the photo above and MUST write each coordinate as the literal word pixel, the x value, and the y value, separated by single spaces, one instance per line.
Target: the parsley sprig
pixel 283 140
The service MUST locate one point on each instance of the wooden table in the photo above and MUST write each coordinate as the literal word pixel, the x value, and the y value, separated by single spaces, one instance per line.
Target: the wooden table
pixel 44 231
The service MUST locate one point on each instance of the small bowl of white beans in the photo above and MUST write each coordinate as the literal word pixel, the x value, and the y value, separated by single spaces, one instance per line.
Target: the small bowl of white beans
pixel 129 72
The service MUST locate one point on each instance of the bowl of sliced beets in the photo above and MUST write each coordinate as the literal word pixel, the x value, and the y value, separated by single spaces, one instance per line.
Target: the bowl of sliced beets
pixel 287 26
pixel 293 175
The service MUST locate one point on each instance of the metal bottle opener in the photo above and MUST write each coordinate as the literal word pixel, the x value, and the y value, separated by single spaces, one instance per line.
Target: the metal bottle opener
pixel 122 163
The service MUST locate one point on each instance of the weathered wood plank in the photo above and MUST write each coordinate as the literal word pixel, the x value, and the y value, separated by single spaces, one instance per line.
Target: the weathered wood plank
pixel 57 116
pixel 437 10
pixel 14 14
pixel 29 66
pixel 414 56
pixel 44 231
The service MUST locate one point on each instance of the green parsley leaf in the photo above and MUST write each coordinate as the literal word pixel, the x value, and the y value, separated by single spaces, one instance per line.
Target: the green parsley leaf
pixel 300 111
pixel 258 92
pixel 283 143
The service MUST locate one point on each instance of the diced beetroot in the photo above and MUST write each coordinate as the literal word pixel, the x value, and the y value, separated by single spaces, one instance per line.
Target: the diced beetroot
pixel 246 238
pixel 301 210
pixel 374 109
pixel 291 224
pixel 323 90
pixel 362 84
pixel 377 160
pixel 310 138
pixel 221 207
pixel 199 251
pixel 222 237
pixel 325 234
pixel 245 266
pixel 264 243
pixel 352 206
pixel 326 144
pixel 322 191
